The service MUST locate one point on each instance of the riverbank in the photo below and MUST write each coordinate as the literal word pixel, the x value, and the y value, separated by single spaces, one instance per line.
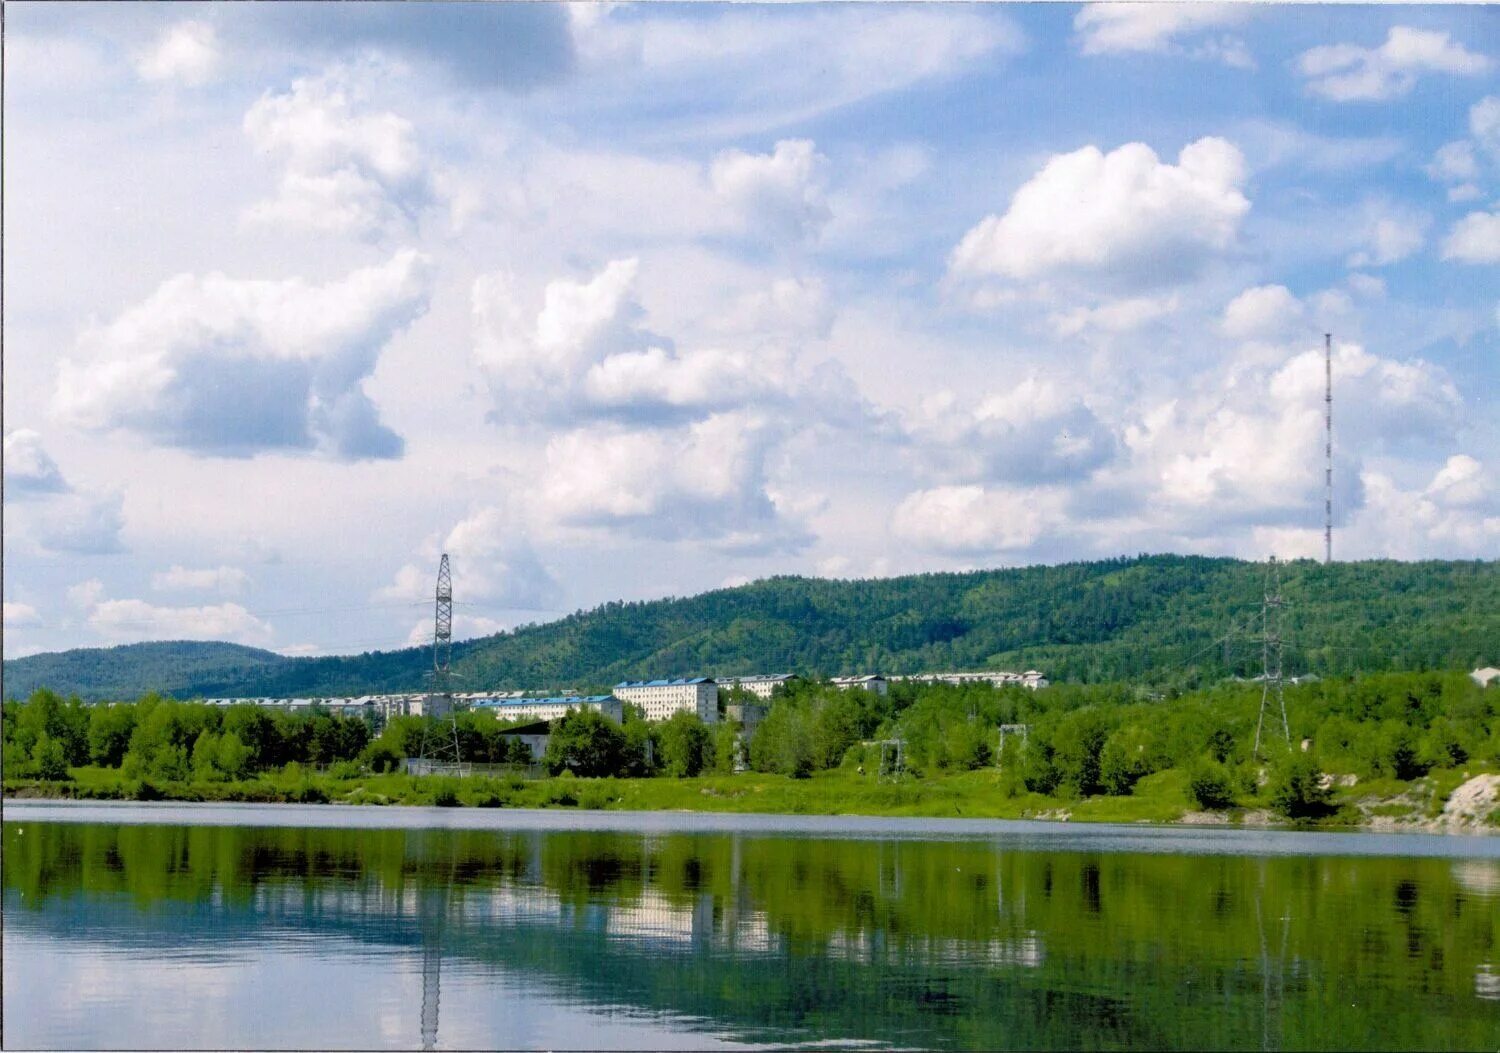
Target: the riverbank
pixel 1442 801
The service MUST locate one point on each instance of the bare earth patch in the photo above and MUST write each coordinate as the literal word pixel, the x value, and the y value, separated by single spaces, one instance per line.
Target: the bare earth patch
pixel 1204 819
pixel 1471 803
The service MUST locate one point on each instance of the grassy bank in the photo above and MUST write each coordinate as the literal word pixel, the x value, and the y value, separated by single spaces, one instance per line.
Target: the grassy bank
pixel 1160 798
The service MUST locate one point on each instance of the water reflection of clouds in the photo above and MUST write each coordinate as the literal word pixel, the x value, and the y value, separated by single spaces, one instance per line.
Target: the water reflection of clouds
pixel 1479 876
pixel 276 995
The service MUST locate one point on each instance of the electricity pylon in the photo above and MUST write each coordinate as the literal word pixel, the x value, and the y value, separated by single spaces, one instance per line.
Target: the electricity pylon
pixel 1270 643
pixel 439 703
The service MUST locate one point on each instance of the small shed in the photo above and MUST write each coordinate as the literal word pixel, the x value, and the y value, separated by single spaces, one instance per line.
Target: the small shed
pixel 535 735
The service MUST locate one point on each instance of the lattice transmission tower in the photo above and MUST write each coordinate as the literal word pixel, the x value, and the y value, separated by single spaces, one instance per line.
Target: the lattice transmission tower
pixel 441 745
pixel 1272 682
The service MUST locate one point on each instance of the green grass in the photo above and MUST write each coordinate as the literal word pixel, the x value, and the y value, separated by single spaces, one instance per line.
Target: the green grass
pixel 978 794
pixel 987 794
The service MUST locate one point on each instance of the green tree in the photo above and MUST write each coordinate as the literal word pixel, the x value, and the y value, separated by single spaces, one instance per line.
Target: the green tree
pixel 727 746
pixel 1077 745
pixel 686 745
pixel 233 757
pixel 109 733
pixel 586 743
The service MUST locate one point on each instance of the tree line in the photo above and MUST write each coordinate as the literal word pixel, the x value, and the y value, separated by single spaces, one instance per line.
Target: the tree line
pixel 1079 741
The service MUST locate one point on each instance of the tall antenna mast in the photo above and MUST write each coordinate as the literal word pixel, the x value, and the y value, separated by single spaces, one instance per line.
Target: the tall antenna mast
pixel 1328 448
pixel 1270 637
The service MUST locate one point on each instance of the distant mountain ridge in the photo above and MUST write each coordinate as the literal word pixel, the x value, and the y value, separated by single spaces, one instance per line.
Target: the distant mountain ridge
pixel 1158 620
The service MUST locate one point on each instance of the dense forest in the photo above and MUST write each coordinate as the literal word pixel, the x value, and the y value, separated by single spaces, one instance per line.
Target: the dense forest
pixel 1167 622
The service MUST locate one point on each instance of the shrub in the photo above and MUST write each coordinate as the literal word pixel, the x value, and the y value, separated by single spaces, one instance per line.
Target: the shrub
pixel 308 793
pixel 382 756
pixel 49 760
pixel 1210 784
pixel 146 790
pixel 594 797
pixel 1297 789
pixel 446 796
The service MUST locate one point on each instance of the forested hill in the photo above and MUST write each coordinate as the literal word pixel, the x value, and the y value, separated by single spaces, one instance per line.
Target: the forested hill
pixel 177 667
pixel 1158 620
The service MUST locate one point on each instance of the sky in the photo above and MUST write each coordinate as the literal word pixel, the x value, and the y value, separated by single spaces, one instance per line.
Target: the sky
pixel 622 302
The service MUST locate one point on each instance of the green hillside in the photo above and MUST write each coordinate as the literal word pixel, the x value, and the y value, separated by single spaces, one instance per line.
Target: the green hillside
pixel 1154 620
pixel 178 667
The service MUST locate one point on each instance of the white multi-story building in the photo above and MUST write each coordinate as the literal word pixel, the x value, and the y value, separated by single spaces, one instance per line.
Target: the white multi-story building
pixel 659 699
pixel 549 708
pixel 873 682
pixel 761 685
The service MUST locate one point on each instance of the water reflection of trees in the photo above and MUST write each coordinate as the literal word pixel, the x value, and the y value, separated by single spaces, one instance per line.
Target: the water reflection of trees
pixel 961 942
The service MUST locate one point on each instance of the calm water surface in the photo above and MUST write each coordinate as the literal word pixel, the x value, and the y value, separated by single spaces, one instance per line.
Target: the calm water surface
pixel 283 926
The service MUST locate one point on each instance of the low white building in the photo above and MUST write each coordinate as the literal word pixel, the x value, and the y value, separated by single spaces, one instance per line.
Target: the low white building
pixel 660 699
pixel 761 685
pixel 533 736
pixel 1486 676
pixel 873 682
pixel 549 708
pixel 1031 679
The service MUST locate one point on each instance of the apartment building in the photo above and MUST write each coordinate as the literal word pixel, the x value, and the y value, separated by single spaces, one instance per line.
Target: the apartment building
pixel 548 708
pixel 659 699
pixel 761 685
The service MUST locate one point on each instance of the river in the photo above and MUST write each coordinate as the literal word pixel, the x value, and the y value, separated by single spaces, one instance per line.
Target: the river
pixel 283 926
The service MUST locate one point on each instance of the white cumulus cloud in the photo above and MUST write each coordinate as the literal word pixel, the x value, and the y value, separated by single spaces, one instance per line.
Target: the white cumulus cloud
pixel 585 354
pixel 1267 311
pixel 703 482
pixel 976 520
pixel 344 168
pixel 1349 72
pixel 1250 451
pixel 1125 214
pixel 122 621
pixel 187 53
pixel 224 579
pixel 29 469
pixel 229 367
pixel 16 615
pixel 77 524
pixel 1036 431
pixel 1457 512
pixel 1474 239
pixel 1389 234
pixel 1106 28
pixel 493 562
pixel 781 195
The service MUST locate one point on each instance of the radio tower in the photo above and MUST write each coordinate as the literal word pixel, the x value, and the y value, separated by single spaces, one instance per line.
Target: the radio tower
pixel 440 702
pixel 1270 636
pixel 1328 448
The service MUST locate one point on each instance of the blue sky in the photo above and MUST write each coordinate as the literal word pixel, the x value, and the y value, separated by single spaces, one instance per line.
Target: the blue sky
pixel 634 301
